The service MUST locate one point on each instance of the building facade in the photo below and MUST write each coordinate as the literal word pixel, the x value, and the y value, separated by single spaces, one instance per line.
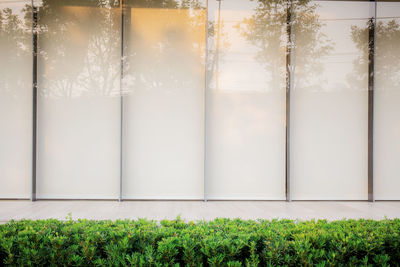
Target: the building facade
pixel 196 99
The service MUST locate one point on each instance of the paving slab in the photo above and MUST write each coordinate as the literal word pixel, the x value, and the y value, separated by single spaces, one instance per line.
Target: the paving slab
pixel 196 210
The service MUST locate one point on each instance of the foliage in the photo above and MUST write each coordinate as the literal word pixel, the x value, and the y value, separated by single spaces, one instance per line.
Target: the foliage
pixel 222 242
pixel 387 51
pixel 268 28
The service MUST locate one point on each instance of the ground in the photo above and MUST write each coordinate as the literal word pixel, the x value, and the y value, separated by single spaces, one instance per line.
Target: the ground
pixel 197 210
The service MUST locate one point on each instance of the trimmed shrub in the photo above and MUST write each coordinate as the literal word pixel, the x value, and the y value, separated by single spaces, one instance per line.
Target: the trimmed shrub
pixel 222 242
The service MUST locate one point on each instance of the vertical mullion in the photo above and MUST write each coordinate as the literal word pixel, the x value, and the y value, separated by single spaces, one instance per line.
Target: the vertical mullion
pixel 34 101
pixel 121 99
pixel 371 88
pixel 205 105
pixel 289 48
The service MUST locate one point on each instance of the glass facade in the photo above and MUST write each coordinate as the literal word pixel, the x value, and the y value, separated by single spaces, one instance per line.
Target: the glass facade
pixel 246 100
pixel 78 99
pixel 163 99
pixel 15 99
pixel 387 101
pixel 330 101
pixel 197 99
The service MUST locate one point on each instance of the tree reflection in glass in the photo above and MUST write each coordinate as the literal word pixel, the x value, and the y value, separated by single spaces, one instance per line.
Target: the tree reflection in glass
pixel 79 48
pixel 78 105
pixel 15 98
pixel 329 110
pixel 387 50
pixel 267 30
pixel 163 102
pixel 15 47
pixel 386 99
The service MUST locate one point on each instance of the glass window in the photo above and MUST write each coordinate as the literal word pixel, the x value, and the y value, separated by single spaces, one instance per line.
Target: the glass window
pixel 183 99
pixel 15 99
pixel 330 101
pixel 246 100
pixel 163 101
pixel 387 101
pixel 79 104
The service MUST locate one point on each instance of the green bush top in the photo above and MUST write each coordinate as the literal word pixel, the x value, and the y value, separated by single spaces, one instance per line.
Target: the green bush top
pixel 222 242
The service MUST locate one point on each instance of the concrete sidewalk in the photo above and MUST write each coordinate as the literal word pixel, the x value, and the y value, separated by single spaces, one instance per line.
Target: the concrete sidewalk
pixel 197 210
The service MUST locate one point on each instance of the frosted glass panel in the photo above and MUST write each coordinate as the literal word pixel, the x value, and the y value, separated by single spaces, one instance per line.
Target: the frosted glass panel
pixel 246 100
pixel 79 103
pixel 330 102
pixel 387 102
pixel 163 115
pixel 15 99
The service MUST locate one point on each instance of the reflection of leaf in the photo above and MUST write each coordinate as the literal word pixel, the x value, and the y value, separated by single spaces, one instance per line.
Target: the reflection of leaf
pixel 387 49
pixel 87 32
pixel 14 51
pixel 79 44
pixel 166 44
pixel 267 29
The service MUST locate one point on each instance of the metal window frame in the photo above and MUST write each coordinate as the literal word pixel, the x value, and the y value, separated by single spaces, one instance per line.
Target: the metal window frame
pixel 34 100
pixel 205 106
pixel 121 88
pixel 371 91
pixel 289 88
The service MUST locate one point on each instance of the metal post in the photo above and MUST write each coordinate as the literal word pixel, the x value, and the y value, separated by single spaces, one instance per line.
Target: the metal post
pixel 121 99
pixel 289 51
pixel 371 88
pixel 34 100
pixel 205 105
pixel 218 46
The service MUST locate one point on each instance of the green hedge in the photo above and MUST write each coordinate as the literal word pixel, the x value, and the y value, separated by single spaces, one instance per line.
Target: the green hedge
pixel 221 242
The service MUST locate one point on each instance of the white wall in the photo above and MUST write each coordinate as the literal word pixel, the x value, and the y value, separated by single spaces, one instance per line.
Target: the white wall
pixel 200 117
pixel 330 106
pixel 163 116
pixel 15 103
pixel 79 104
pixel 387 104
pixel 245 106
